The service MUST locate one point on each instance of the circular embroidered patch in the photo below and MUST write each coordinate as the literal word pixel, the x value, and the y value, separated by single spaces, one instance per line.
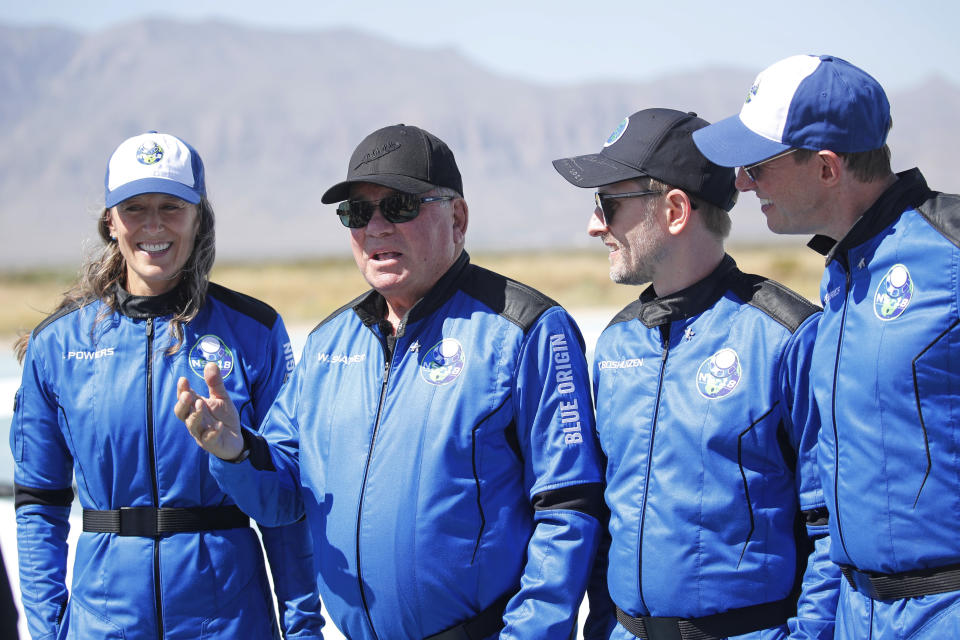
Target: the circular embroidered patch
pixel 443 362
pixel 210 348
pixel 894 293
pixel 719 374
pixel 617 132
pixel 149 153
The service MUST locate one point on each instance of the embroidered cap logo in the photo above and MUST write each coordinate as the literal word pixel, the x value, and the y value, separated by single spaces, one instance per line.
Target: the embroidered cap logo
pixel 150 153
pixel 618 132
pixel 377 153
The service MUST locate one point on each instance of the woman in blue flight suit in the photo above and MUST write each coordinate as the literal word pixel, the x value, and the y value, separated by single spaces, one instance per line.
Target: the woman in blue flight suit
pixel 164 553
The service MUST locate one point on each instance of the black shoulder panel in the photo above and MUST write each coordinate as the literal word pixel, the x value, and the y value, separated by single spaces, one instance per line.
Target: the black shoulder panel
pixel 629 312
pixel 780 303
pixel 256 309
pixel 516 302
pixel 353 304
pixel 942 211
pixel 57 315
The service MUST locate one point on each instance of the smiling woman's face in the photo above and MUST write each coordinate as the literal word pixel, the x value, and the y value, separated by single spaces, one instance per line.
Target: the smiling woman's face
pixel 155 233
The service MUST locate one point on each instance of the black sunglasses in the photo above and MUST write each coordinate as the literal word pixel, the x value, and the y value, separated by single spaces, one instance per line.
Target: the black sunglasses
pixel 753 170
pixel 396 208
pixel 606 203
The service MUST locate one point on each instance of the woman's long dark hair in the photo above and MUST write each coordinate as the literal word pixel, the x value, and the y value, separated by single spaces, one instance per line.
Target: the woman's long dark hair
pixel 106 268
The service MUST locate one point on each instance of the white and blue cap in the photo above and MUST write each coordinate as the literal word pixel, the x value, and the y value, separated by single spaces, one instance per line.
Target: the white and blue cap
pixel 154 163
pixel 805 102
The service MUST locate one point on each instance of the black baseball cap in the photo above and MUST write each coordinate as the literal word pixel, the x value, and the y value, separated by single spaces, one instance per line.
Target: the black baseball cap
pixel 400 157
pixel 655 143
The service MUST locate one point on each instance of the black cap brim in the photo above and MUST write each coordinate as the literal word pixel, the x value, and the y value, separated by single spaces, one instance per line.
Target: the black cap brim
pixel 594 170
pixel 341 191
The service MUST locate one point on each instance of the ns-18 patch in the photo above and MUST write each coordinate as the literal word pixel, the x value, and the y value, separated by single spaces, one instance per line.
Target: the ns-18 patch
pixel 893 294
pixel 719 374
pixel 210 348
pixel 443 362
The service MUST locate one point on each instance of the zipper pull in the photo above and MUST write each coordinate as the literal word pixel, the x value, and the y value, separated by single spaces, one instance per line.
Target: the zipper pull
pixel 665 341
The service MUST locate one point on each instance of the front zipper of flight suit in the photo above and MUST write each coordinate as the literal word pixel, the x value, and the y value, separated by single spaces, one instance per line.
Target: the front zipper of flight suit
pixel 387 367
pixel 833 410
pixel 158 600
pixel 665 336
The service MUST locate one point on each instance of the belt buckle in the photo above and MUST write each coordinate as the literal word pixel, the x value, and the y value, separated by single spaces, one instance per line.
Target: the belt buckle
pixel 138 521
pixel 662 628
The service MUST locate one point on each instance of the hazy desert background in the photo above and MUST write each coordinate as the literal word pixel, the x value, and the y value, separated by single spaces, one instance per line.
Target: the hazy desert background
pixel 306 291
pixel 276 95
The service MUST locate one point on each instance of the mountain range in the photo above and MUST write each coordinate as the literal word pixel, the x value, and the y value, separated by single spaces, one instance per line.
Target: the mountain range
pixel 276 114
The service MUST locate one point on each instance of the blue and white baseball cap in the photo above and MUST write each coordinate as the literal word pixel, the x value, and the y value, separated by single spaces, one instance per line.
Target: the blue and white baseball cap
pixel 154 163
pixel 805 102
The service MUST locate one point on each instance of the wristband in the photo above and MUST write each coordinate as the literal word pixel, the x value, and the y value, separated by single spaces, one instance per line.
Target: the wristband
pixel 240 458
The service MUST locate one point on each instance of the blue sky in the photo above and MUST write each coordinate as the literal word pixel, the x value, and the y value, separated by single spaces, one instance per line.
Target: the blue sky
pixel 561 41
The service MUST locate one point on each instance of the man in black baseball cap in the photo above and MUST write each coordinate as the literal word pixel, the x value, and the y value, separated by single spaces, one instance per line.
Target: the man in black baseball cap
pixel 702 408
pixel 410 177
pixel 400 157
pixel 438 432
pixel 647 152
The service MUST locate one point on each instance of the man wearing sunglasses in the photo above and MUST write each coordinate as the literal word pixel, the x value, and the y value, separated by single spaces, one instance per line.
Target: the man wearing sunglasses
pixel 438 431
pixel 717 525
pixel 885 366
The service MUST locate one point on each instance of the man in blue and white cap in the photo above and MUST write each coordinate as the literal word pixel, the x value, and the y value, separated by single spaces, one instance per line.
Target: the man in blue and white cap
pixel 885 366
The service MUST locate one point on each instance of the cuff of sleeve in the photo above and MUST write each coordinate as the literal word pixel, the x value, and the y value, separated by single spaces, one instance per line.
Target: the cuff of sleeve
pixel 244 454
pixel 256 449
